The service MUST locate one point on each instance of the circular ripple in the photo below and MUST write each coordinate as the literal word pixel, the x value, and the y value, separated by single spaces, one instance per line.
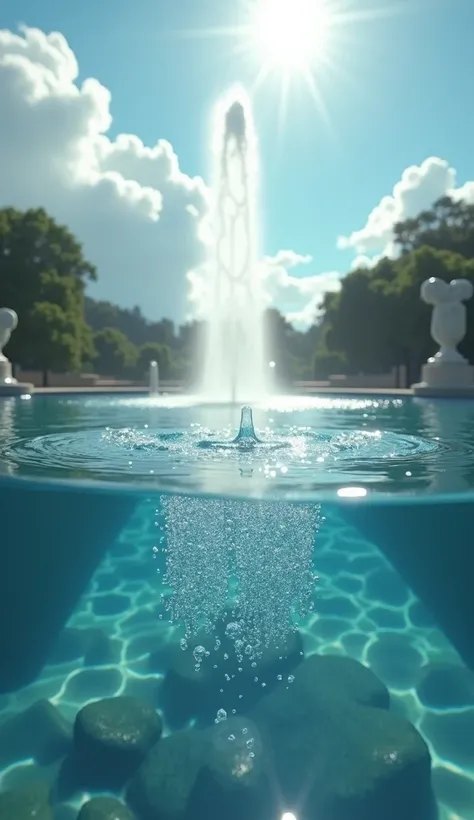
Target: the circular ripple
pixel 202 460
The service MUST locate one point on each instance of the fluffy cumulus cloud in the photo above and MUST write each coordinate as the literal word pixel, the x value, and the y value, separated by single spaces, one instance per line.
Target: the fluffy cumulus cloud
pixel 419 187
pixel 302 294
pixel 141 219
pixel 143 222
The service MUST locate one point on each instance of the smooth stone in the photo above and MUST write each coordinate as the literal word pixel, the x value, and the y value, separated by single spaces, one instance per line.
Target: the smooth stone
pixel 387 587
pixel 445 686
pixel 221 772
pixel 105 808
pixel 40 732
pixel 338 752
pixel 162 786
pixel 191 689
pixel 395 660
pixel 108 605
pixel 112 737
pixel 30 802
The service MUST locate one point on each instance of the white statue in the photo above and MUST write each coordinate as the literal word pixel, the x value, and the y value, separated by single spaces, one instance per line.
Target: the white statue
pixel 8 322
pixel 448 320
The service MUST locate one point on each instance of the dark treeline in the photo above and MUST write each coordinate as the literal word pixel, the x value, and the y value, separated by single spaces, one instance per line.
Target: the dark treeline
pixel 376 321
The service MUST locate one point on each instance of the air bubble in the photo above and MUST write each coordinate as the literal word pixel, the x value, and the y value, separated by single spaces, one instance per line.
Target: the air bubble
pixel 199 653
pixel 221 715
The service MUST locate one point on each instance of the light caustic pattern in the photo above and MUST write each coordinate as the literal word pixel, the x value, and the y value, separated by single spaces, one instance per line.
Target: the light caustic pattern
pixel 250 562
pixel 234 361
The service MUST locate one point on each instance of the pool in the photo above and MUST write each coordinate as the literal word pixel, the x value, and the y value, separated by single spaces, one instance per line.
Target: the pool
pixel 200 622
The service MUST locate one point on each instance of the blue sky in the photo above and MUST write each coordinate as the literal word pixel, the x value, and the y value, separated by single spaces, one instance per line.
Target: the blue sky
pixel 400 92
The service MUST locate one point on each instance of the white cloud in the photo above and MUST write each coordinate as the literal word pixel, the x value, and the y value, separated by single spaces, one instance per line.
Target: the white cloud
pixel 142 221
pixel 298 297
pixel 138 216
pixel 419 187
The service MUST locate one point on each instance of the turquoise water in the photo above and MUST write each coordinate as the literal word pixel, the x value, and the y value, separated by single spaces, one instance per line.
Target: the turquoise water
pixel 252 611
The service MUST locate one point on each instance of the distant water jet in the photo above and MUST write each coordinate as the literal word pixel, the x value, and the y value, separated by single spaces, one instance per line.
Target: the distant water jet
pixel 234 368
pixel 154 379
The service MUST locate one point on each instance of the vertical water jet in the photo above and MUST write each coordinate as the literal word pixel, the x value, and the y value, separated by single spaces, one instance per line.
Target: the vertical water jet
pixel 234 361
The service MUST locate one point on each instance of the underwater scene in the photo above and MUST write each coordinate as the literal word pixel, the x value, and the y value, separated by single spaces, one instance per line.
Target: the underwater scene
pixel 210 612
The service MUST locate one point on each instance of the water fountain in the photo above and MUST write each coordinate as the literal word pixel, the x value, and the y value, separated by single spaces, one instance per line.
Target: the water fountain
pixel 234 369
pixel 8 385
pixel 154 379
pixel 447 373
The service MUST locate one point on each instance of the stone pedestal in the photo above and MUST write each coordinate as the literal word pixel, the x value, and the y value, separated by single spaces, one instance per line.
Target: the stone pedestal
pixel 440 378
pixel 8 385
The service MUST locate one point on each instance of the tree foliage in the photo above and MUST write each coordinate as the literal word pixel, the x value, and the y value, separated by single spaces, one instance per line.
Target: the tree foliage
pixel 115 354
pixel 447 226
pixel 42 277
pixel 378 321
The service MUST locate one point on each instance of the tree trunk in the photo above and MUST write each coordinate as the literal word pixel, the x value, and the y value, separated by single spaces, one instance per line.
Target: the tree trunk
pixel 45 378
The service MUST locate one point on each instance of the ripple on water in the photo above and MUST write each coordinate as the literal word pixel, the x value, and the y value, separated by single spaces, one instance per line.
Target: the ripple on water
pixel 285 457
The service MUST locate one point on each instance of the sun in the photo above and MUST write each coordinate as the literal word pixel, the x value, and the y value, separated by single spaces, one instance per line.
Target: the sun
pixel 290 34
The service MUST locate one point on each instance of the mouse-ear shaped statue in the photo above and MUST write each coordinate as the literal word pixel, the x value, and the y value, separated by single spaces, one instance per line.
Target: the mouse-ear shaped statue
pixel 461 290
pixel 8 319
pixel 434 291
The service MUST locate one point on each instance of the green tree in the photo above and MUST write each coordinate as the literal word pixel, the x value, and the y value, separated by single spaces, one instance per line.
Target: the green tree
pixel 328 363
pixel 43 274
pixel 378 320
pixel 160 353
pixel 448 226
pixel 115 354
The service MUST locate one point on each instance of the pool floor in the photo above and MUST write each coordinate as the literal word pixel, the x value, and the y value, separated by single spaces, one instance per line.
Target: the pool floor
pixel 362 610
